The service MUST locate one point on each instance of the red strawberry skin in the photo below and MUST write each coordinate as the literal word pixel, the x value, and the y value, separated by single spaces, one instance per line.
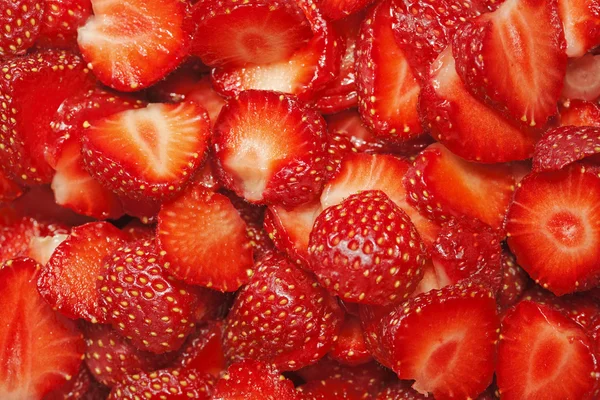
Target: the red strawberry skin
pixel 565 145
pixel 76 388
pixel 20 21
pixel 514 281
pixel 60 22
pixel 580 113
pixel 203 350
pixel 350 348
pixel 332 388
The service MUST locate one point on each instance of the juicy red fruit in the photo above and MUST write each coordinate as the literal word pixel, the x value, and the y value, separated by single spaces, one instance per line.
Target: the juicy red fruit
pixel 21 21
pixel 565 145
pixel 60 22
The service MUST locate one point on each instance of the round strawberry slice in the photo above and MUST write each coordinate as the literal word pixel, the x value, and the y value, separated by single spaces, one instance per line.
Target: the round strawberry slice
pixel 565 145
pixel 282 317
pixel 20 21
pixel 366 250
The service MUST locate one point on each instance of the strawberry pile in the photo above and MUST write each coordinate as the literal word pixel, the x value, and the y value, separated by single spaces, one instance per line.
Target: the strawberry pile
pixel 300 199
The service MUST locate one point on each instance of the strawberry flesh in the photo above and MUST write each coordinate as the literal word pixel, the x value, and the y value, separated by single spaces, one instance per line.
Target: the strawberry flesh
pixel 581 24
pixel 350 348
pixel 580 113
pixel 581 79
pixel 203 350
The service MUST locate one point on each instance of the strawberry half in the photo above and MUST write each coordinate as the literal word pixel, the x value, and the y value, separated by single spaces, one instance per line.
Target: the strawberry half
pixel 270 148
pixel 203 350
pixel 581 79
pixel 282 317
pixel 219 254
pixel 580 113
pixel 565 145
pixel 149 152
pixel 581 23
pixel 41 351
pixel 544 355
pixel 528 36
pixel 553 228
pixel 132 45
pixel 61 20
pixel 68 281
pixel 21 21
pixel 350 348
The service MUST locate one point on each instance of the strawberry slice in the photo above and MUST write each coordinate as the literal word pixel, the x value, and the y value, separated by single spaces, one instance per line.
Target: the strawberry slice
pixel 270 148
pixel 580 113
pixel 203 350
pixel 581 79
pixel 20 21
pixel 146 210
pixel 528 36
pixel 282 317
pixel 132 45
pixel 350 348
pixel 544 355
pixel 219 255
pixel 76 388
pixel 553 228
pixel 332 388
pixel 40 350
pixel 41 248
pixel 514 281
pixel 338 146
pixel 388 92
pixel 61 20
pixel 466 126
pixel 57 74
pixel 445 340
pixel 237 34
pixel 581 24
pixel 441 186
pixel 150 152
pixel 68 281
pixel 565 145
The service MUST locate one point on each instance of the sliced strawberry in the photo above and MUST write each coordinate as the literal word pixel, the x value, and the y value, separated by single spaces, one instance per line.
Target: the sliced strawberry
pixel 132 45
pixel 73 389
pixel 401 390
pixel 581 23
pixel 21 21
pixel 350 348
pixel 9 190
pixel 431 279
pixel 339 9
pixel 219 255
pixel 445 340
pixel 581 79
pixel 338 146
pixel 207 177
pixel 553 228
pixel 370 320
pixel 466 126
pixel 281 317
pixel 58 75
pixel 61 20
pixel 441 186
pixel 565 145
pixel 270 148
pixel 580 113
pixel 514 281
pixel 136 230
pixel 203 350
pixel 544 355
pixel 331 388
pixel 360 262
pixel 68 281
pixel 40 350
pixel 387 89
pixel 251 379
pixel 528 36
pixel 41 248
pixel 146 210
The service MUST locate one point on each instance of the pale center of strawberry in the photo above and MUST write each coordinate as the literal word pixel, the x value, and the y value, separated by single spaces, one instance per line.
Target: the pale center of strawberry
pixel 567 229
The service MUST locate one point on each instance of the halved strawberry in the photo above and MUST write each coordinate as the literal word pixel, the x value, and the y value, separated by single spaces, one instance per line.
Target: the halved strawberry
pixel 41 248
pixel 565 145
pixel 331 388
pixel 338 146
pixel 68 281
pixel 202 239
pixel 58 75
pixel 270 148
pixel 203 350
pixel 40 350
pixel 581 79
pixel 237 34
pixel 466 126
pixel 442 185
pixel 20 21
pixel 580 113
pixel 544 355
pixel 581 23
pixel 149 152
pixel 132 45
pixel 282 317
pixel 527 36
pixel 514 281
pixel 61 20
pixel 445 340
pixel 350 348
pixel 553 228
pixel 388 92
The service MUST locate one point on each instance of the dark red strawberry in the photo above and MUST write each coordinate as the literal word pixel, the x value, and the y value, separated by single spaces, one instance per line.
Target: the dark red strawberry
pixel 441 186
pixel 445 340
pixel 565 145
pixel 173 384
pixel 270 148
pixel 61 20
pixel 68 281
pixel 146 210
pixel 388 92
pixel 203 350
pixel 338 146
pixel 9 190
pixel 580 113
pixel 135 230
pixel 281 317
pixel 370 320
pixel 73 389
pixel 528 37
pixel 466 126
pixel 350 348
pixel 400 390
pixel 207 177
pixel 331 388
pixel 542 354
pixel 251 379
pixel 581 23
pixel 553 228
pixel 41 351
pixel 339 9
pixel 202 239
pixel 514 281
pixel 366 250
pixel 580 80
pixel 57 74
pixel 20 21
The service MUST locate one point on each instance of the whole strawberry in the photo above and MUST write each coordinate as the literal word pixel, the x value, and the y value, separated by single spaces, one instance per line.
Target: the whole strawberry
pixel 366 250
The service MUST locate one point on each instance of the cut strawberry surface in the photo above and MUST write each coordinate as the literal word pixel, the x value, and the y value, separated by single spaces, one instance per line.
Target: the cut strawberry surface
pixel 565 145
pixel 466 126
pixel 270 149
pixel 350 348
pixel 61 20
pixel 132 45
pixel 580 113
pixel 21 21
pixel 528 37
pixel 233 34
pixel 203 350
pixel 542 354
pixel 445 340
pixel 441 186
pixel 150 152
pixel 57 74
pixel 581 24
pixel 217 255
pixel 553 228
pixel 581 79
pixel 40 350
pixel 387 89
pixel 68 281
